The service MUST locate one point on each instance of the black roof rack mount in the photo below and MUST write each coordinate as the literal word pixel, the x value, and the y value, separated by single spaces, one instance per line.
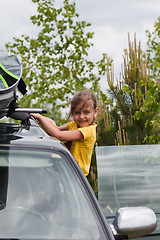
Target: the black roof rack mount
pixel 22 114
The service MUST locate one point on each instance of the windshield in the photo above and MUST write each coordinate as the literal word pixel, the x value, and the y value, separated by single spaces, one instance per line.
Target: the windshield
pixel 41 197
pixel 128 176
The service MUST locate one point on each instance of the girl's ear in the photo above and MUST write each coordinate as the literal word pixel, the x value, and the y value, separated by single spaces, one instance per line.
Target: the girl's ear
pixel 96 111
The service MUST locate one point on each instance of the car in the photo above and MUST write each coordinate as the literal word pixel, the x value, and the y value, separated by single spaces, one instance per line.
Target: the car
pixel 45 195
pixel 129 176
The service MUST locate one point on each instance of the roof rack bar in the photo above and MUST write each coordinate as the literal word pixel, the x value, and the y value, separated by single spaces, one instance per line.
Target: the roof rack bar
pixel 28 110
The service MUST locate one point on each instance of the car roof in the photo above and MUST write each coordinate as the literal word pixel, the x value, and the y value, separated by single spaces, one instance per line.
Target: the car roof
pixel 28 135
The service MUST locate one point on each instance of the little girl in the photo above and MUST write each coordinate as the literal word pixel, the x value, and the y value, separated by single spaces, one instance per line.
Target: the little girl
pixel 81 132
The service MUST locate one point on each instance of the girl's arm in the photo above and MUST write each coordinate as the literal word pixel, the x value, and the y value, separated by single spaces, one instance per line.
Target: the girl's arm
pixel 60 133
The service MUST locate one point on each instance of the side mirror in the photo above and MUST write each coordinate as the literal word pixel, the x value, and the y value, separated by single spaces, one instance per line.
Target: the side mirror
pixel 134 222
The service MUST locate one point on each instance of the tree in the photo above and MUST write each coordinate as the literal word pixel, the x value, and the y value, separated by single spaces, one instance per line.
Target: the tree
pixel 124 118
pixel 153 48
pixel 55 64
pixel 151 106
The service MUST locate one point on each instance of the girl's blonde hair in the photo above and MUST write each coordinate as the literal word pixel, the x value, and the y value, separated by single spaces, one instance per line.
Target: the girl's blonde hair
pixel 82 97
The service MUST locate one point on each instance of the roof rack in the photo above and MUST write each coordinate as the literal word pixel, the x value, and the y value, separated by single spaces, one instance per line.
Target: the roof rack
pixel 26 110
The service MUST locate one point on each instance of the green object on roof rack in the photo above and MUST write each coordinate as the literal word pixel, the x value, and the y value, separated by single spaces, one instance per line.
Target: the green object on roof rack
pixel 10 80
pixel 10 70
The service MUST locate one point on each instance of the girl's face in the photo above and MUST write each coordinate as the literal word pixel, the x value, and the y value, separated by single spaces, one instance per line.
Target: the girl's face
pixel 85 115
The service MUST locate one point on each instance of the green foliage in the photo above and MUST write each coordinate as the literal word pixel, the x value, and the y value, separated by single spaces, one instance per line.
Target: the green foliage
pixel 151 109
pixel 106 137
pixel 55 63
pixel 153 48
pixel 151 106
pixel 92 176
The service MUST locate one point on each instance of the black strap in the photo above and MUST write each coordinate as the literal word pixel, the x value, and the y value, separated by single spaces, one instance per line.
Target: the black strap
pixel 22 87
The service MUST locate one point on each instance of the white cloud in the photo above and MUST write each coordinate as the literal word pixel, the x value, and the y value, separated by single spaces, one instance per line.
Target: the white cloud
pixel 15 19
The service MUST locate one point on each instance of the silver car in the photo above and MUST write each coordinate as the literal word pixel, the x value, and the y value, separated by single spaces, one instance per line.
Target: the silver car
pixel 45 195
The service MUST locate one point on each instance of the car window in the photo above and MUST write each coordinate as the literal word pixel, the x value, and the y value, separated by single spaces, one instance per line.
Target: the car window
pixel 128 176
pixel 41 197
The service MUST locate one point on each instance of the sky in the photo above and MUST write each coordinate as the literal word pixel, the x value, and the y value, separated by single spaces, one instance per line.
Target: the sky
pixel 111 21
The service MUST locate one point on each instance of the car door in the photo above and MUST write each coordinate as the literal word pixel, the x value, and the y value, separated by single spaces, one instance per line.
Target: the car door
pixel 129 176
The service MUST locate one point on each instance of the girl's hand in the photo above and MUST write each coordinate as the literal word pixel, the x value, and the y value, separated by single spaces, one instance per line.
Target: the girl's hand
pixel 40 119
pixel 36 117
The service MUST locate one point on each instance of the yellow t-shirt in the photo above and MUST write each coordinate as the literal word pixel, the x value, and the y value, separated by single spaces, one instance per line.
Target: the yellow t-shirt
pixel 82 149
